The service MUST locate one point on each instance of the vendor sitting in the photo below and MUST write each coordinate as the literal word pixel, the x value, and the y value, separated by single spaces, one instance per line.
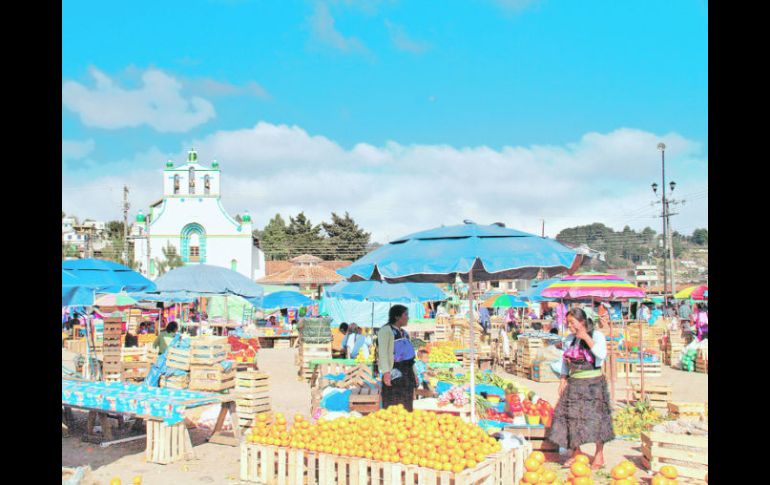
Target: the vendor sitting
pixel 164 338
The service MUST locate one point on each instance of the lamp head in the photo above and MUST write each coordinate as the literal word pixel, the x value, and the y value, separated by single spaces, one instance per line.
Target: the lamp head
pixel 655 187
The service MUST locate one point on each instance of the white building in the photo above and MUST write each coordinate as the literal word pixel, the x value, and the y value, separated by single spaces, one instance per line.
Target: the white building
pixel 646 275
pixel 191 218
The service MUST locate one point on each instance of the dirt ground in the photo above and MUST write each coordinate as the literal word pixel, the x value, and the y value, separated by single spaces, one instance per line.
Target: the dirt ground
pixel 219 464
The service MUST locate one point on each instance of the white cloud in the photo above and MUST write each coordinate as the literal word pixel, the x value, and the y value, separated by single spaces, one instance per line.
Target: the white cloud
pixel 322 25
pixel 157 103
pixel 395 189
pixel 75 149
pixel 402 41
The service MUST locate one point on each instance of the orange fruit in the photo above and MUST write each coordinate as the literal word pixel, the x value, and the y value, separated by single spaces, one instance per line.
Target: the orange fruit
pixel 470 463
pixel 580 470
pixel 537 455
pixel 623 481
pixel 582 459
pixel 531 464
pixel 620 472
pixel 531 477
pixel 669 472
pixel 137 480
pixel 582 480
pixel 629 465
pixel 457 468
pixel 549 476
pixel 480 457
pixel 115 481
pixel 659 480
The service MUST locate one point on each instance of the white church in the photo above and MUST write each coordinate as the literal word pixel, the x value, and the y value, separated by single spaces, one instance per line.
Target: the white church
pixel 191 218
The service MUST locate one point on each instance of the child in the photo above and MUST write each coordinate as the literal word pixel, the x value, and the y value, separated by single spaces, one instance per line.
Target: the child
pixel 422 370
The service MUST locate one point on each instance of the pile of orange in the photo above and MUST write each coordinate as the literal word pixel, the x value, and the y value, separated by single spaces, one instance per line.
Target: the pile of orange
pixel 580 472
pixel 623 474
pixel 439 441
pixel 535 471
pixel 667 475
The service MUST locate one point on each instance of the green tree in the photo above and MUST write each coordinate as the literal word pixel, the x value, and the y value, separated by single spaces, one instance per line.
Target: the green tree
pixel 304 237
pixel 69 251
pixel 700 237
pixel 171 260
pixel 273 239
pixel 114 229
pixel 345 239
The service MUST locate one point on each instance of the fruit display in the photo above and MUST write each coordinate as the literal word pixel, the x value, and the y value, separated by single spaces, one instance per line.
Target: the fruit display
pixel 498 416
pixel 242 349
pixel 580 472
pixel 441 352
pixel 667 475
pixel 435 440
pixel 623 474
pixel 457 395
pixel 631 420
pixel 536 472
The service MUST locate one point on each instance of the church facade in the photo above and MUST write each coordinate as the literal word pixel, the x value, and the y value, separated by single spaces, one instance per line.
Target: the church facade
pixel 190 217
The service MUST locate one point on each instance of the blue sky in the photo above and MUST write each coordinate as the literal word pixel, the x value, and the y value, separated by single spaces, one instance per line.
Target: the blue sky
pixel 528 81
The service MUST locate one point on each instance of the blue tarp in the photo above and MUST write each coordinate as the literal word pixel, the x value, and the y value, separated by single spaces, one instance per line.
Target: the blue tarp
pixel 442 387
pixel 286 299
pixel 104 276
pixel 209 280
pixel 361 312
pixel 378 291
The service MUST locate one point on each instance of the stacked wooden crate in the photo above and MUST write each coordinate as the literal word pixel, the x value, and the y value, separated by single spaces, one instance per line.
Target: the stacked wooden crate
pixel 111 350
pixel 136 362
pixel 672 351
pixel 689 454
pixel 178 359
pixel 206 372
pixel 252 389
pixel 308 352
pixel 688 410
pixel 542 372
pixel 175 382
pixel 526 354
pixel 632 367
pixel 659 395
pixel 702 361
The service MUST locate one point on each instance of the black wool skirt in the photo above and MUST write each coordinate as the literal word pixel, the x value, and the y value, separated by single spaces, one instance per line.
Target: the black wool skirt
pixel 401 390
pixel 583 414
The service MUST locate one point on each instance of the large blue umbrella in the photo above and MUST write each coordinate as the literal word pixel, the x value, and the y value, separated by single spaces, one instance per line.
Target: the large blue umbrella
pixel 178 297
pixel 286 299
pixel 74 293
pixel 207 280
pixel 387 292
pixel 470 251
pixel 106 276
pixel 493 253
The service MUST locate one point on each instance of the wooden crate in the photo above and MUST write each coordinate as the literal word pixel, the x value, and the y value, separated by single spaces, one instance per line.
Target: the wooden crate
pixel 178 358
pixel 211 378
pixel 135 370
pixel 146 338
pixel 266 464
pixel 689 454
pixel 175 382
pixel 319 371
pixel 702 361
pixel 542 372
pixel 651 369
pixel 536 437
pixel 167 443
pixel 365 399
pixel 78 346
pixel 252 395
pixel 208 350
pixel 659 395
pixel 687 410
pixel 282 343
pixel 308 352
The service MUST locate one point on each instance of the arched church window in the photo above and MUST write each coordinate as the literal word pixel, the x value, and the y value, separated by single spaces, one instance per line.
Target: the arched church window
pixel 206 185
pixel 234 265
pixel 176 184
pixel 193 243
pixel 195 247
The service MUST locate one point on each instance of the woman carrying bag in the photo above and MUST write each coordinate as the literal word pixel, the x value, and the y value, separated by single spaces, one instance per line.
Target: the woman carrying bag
pixel 395 359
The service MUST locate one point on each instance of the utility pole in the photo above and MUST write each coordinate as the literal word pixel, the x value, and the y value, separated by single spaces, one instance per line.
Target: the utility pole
pixel 542 228
pixel 668 266
pixel 126 205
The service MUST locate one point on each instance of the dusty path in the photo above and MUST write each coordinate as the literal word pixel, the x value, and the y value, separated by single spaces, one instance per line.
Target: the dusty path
pixel 217 464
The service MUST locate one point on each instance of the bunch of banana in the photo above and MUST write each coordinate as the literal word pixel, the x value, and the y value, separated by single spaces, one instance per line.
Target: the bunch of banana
pixel 633 419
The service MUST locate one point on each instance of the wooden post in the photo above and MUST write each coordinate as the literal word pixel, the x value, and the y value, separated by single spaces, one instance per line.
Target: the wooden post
pixel 473 353
pixel 641 358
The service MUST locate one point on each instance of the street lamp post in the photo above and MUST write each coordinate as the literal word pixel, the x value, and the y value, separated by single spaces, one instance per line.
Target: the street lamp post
pixel 668 252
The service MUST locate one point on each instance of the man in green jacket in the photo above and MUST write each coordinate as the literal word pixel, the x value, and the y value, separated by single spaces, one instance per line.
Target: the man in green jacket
pixel 165 337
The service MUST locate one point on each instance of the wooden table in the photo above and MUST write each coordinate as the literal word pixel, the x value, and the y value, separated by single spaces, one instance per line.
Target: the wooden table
pixel 269 341
pixel 165 443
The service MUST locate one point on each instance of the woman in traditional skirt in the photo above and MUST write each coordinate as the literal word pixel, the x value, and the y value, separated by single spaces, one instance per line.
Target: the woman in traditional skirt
pixel 395 359
pixel 582 414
